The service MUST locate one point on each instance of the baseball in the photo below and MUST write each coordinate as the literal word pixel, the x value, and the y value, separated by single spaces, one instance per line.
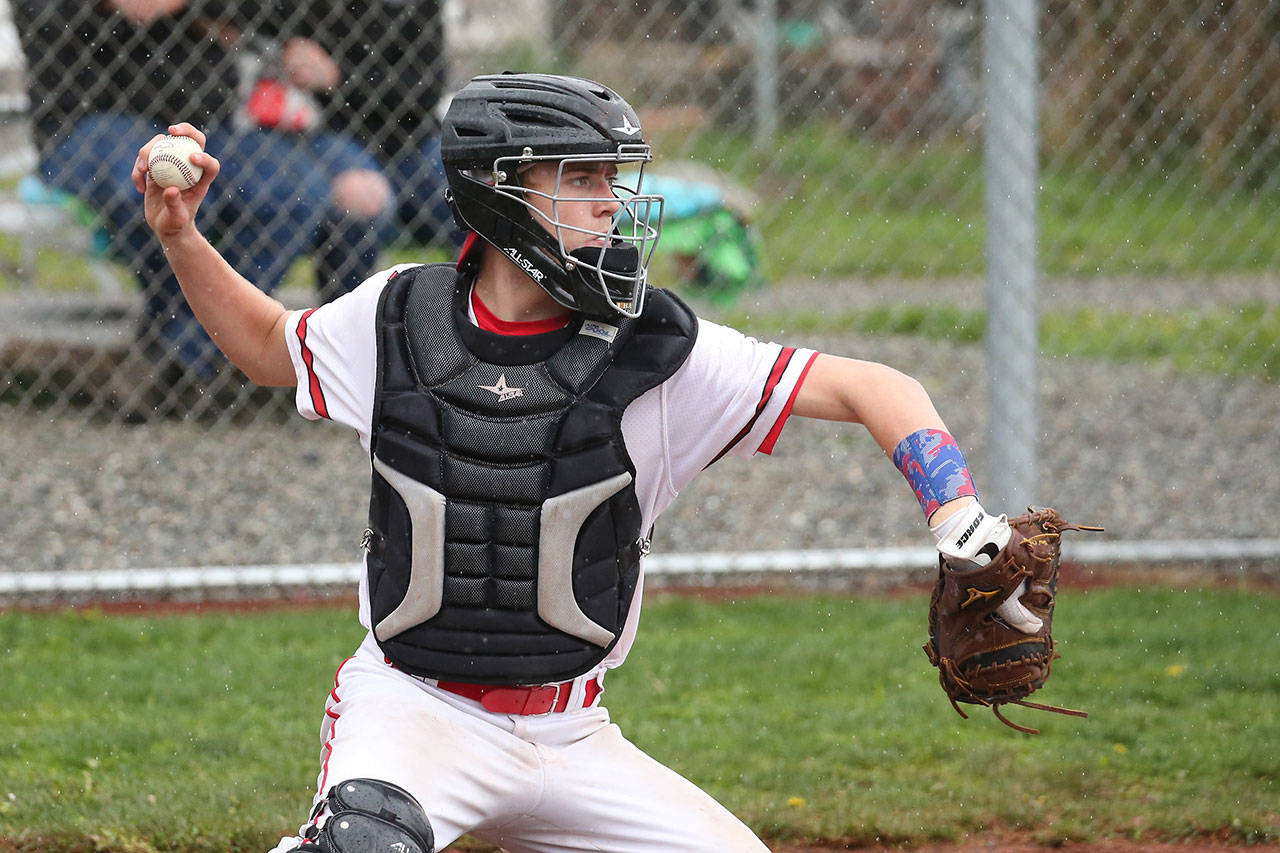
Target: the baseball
pixel 170 162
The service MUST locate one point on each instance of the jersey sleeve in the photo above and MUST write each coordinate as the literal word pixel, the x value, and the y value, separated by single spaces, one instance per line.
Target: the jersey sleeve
pixel 731 397
pixel 335 351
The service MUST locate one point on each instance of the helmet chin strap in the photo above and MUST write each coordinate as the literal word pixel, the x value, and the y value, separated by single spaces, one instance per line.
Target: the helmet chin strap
pixel 621 260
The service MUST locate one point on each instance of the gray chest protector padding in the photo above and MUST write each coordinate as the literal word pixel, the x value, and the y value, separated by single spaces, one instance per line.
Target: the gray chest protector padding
pixel 504 519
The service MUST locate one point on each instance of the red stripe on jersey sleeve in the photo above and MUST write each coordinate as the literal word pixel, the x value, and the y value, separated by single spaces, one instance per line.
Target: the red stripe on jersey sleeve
pixel 313 381
pixel 775 376
pixel 771 439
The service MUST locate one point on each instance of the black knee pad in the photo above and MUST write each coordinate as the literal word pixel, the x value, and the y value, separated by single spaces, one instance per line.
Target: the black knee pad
pixel 371 816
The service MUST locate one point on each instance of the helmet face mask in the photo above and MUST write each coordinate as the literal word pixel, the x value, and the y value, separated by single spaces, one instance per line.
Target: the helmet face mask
pixel 586 263
pixel 613 260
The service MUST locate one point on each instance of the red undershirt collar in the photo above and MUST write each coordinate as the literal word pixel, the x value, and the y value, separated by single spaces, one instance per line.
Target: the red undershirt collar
pixel 486 320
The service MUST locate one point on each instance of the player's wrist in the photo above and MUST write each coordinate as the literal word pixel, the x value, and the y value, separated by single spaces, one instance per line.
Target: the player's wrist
pixel 949 510
pixel 185 238
pixel 971 537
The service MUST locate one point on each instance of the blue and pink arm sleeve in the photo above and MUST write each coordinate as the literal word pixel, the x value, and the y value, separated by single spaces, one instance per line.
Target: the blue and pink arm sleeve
pixel 932 462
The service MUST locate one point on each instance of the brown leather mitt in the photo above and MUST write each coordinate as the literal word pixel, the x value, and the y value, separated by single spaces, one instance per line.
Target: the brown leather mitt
pixel 981 660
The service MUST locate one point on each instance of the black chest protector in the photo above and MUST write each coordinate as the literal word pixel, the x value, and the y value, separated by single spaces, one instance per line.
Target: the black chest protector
pixel 505 529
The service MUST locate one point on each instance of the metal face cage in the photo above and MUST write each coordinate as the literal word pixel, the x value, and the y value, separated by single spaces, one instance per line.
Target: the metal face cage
pixel 619 270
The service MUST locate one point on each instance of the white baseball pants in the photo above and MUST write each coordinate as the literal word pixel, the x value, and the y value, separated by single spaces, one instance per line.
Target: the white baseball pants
pixel 562 782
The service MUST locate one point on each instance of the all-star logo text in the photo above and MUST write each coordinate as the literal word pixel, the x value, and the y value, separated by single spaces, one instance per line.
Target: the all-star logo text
pixel 502 389
pixel 525 264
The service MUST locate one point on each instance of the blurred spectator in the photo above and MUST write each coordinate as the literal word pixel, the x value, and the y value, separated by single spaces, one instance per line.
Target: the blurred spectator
pixel 391 53
pixel 106 76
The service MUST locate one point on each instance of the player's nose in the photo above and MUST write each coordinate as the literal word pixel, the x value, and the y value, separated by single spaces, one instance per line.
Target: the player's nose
pixel 608 207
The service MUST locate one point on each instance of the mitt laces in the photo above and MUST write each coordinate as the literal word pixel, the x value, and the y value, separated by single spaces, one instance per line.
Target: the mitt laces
pixel 1049 521
pixel 995 709
pixel 1033 542
pixel 949 667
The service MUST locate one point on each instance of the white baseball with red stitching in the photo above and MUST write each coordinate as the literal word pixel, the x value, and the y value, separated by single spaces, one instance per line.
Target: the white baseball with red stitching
pixel 170 162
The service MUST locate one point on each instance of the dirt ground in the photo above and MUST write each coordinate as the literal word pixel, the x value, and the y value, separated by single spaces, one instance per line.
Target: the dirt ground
pixel 1003 841
pixel 1010 843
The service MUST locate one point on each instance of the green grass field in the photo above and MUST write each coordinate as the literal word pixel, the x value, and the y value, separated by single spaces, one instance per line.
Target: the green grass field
pixel 813 717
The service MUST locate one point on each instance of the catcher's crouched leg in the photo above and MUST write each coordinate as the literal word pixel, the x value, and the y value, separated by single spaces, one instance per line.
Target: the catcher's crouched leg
pixel 367 815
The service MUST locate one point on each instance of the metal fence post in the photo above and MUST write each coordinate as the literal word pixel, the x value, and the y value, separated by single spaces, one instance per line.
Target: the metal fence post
pixel 1010 139
pixel 765 65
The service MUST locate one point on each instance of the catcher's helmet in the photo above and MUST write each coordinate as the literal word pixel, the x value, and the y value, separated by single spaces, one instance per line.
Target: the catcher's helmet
pixel 496 125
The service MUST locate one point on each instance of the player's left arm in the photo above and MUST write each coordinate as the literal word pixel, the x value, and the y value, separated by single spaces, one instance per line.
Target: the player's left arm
pixel 889 403
pixel 897 411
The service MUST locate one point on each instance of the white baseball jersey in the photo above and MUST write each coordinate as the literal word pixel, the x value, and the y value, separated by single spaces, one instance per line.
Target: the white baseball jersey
pixel 539 783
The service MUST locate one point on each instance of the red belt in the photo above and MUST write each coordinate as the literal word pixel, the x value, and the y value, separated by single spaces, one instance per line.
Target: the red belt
pixel 527 701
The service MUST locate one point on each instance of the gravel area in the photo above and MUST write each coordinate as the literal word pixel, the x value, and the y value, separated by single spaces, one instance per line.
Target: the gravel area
pixel 1145 451
pixel 1125 293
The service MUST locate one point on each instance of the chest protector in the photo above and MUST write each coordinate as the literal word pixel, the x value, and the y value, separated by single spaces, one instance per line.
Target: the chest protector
pixel 505 532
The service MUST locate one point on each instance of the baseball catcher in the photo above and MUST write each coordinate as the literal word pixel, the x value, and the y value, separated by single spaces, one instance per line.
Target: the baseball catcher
pixel 991 615
pixel 528 413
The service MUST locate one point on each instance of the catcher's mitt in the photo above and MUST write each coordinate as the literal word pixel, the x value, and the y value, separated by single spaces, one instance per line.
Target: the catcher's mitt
pixel 982 660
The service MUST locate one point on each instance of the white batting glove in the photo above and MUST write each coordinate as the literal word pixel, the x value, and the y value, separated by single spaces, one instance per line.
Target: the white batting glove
pixel 971 538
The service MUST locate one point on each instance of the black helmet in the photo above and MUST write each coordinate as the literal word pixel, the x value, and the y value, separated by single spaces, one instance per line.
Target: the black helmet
pixel 498 124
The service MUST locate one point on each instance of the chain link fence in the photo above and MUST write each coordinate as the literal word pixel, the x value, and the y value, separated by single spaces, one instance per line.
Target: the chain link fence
pixel 823 161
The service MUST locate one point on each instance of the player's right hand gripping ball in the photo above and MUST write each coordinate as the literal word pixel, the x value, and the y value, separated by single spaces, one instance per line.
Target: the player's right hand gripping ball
pixel 980 659
pixel 169 162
